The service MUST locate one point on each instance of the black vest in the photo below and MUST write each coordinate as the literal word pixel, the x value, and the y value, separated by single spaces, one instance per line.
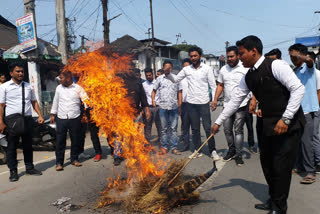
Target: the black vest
pixel 273 97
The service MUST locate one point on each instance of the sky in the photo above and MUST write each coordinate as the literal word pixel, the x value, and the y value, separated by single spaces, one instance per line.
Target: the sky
pixel 206 23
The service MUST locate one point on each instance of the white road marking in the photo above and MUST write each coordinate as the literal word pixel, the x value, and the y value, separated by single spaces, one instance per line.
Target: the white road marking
pixel 42 161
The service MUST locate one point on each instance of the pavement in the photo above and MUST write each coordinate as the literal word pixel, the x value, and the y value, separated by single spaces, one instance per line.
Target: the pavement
pixel 231 190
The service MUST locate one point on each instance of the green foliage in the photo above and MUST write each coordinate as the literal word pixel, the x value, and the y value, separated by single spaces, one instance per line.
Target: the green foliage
pixel 184 47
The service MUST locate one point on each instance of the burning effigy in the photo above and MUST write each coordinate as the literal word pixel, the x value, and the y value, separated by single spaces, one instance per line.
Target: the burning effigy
pixel 151 184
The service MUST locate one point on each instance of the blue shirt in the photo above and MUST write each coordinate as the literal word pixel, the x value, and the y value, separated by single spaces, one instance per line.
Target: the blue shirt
pixel 307 77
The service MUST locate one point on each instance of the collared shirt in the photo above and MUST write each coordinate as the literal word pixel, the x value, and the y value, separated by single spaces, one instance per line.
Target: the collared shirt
pixel 168 92
pixel 67 101
pixel 11 95
pixel 307 77
pixel 148 88
pixel 317 72
pixel 230 77
pixel 199 79
pixel 281 72
pixel 184 88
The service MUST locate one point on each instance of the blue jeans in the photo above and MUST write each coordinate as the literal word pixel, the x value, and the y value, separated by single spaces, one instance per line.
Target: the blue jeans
pixel 169 125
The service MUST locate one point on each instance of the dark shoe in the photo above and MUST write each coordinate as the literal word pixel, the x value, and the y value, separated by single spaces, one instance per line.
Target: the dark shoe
pixel 229 156
pixel 59 167
pixel 117 161
pixel 318 169
pixel 33 172
pixel 265 206
pixel 76 163
pixel 13 175
pixel 239 160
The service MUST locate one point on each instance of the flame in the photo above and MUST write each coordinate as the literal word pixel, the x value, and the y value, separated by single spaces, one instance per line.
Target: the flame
pixel 112 111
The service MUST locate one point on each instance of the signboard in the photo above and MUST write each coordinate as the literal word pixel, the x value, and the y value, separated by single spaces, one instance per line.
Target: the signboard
pixel 309 41
pixel 26 33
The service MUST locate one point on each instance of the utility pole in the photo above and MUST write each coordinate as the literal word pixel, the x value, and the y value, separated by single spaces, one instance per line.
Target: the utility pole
pixel 227 44
pixel 29 7
pixel 178 36
pixel 61 30
pixel 83 38
pixel 106 21
pixel 152 41
pixel 149 33
pixel 106 24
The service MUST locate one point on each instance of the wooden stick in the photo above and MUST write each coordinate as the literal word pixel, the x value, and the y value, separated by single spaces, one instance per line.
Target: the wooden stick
pixel 189 160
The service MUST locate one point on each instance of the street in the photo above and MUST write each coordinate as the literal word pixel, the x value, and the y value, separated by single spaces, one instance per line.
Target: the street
pixel 231 190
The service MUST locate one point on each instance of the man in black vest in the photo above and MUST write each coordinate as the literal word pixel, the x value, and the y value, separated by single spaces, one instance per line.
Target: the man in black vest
pixel 279 93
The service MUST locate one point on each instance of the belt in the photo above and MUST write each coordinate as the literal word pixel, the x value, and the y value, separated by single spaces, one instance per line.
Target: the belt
pixel 151 106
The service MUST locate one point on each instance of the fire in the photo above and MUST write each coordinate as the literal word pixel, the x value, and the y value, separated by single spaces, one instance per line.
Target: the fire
pixel 112 111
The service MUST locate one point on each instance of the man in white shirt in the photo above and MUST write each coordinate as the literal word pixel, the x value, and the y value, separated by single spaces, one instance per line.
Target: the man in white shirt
pixel 279 93
pixel 18 97
pixel 185 121
pixel 199 76
pixel 148 86
pixel 66 113
pixel 228 80
pixel 316 139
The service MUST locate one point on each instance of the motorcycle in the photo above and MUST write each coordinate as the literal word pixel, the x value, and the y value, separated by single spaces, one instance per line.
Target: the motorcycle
pixel 43 138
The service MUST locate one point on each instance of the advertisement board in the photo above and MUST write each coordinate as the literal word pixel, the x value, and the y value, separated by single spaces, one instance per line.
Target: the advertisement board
pixel 26 33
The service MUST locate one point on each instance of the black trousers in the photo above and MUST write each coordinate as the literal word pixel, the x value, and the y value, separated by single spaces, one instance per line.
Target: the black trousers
pixel 197 111
pixel 26 145
pixel 185 126
pixel 63 126
pixel 277 156
pixel 94 130
pixel 259 126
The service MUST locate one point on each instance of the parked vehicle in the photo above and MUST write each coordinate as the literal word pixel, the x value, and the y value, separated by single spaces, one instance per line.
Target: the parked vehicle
pixel 43 139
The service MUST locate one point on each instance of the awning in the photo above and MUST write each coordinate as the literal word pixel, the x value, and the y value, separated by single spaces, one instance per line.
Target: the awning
pixel 46 51
pixel 309 41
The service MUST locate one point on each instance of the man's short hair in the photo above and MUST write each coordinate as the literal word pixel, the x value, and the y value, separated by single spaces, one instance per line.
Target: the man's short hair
pixel 251 42
pixel 233 48
pixel 148 70
pixel 15 64
pixel 167 62
pixel 299 47
pixel 276 52
pixel 66 74
pixel 136 71
pixel 310 53
pixel 192 49
pixel 160 71
pixel 186 60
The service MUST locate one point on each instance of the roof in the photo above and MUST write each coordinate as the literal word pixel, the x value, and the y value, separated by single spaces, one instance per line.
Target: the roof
pixel 160 42
pixel 309 41
pixel 127 44
pixel 8 34
pixel 46 49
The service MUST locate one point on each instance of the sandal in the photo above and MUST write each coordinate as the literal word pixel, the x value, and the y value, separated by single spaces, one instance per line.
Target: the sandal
pixel 176 152
pixel 309 179
pixel 162 151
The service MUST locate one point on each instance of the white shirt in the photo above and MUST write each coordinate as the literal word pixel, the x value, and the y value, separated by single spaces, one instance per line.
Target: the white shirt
pixel 199 81
pixel 148 88
pixel 281 72
pixel 11 95
pixel 230 78
pixel 184 87
pixel 317 78
pixel 67 101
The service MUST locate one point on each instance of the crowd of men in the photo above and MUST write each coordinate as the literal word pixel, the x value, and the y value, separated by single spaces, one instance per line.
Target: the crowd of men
pixel 285 100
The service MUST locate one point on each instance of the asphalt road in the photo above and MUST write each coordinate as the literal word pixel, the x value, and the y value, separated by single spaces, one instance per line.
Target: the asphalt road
pixel 231 190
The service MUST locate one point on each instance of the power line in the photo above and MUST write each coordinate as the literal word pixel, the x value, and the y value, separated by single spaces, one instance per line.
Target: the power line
pixel 129 19
pixel 88 17
pixel 251 19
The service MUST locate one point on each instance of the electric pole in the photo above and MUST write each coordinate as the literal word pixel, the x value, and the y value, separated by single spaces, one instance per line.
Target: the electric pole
pixel 61 30
pixel 29 7
pixel 106 24
pixel 178 36
pixel 151 14
pixel 152 41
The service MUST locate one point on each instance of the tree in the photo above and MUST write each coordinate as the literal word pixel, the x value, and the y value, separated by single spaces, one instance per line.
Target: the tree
pixel 184 47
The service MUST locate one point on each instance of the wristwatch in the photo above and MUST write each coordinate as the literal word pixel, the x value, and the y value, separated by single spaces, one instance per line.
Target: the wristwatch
pixel 286 121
